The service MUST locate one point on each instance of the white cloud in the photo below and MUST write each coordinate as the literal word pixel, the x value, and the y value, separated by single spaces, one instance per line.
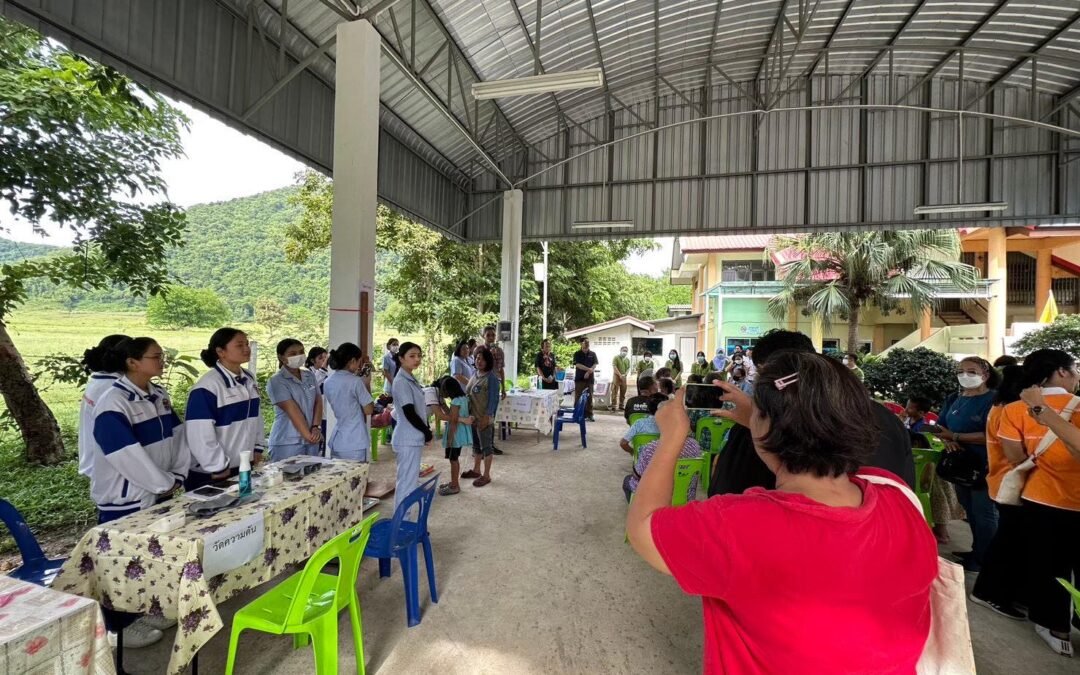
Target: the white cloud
pixel 654 263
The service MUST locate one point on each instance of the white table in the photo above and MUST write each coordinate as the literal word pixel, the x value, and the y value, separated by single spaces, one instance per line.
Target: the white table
pixel 601 389
pixel 530 409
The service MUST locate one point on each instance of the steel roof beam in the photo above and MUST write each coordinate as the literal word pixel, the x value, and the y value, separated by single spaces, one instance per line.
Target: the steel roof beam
pixel 776 42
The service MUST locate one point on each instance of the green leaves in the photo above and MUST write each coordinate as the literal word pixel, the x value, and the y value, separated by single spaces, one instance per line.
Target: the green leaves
pixel 182 307
pixel 1063 334
pixel 916 372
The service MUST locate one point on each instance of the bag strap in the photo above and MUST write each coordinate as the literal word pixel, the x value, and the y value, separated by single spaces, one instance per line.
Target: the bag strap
pixel 1049 437
pixel 881 480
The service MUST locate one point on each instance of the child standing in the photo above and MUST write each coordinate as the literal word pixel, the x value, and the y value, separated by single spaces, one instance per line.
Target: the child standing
pixel 483 395
pixel 457 432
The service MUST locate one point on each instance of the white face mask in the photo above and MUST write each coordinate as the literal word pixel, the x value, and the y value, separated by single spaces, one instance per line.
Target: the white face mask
pixel 701 359
pixel 672 356
pixel 623 352
pixel 969 380
pixel 296 361
pixel 845 361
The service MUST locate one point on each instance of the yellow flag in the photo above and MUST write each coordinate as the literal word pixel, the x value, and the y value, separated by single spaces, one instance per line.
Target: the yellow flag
pixel 1050 311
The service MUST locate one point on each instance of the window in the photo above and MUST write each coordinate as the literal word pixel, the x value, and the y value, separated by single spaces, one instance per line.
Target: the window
pixel 830 346
pixel 604 341
pixel 745 343
pixel 652 345
pixel 747 270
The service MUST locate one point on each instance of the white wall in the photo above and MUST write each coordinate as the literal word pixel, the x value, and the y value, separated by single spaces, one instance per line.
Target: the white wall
pixel 605 353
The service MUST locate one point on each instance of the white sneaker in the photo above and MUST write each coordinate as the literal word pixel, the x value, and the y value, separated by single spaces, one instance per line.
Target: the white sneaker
pixel 156 622
pixel 137 635
pixel 1058 645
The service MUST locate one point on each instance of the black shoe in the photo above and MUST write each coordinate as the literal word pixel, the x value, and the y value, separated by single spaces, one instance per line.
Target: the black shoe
pixel 590 419
pixel 962 557
pixel 1007 611
pixel 498 451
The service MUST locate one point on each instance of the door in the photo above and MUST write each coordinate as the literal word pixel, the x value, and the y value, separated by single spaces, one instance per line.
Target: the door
pixel 687 349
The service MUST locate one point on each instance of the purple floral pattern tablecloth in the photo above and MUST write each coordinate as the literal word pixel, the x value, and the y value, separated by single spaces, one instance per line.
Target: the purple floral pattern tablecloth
pixel 45 631
pixel 127 567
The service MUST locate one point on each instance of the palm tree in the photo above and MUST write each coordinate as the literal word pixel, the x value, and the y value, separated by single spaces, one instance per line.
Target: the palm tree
pixel 837 274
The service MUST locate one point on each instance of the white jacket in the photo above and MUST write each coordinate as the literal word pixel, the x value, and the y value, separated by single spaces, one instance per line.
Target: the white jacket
pixel 223 419
pixel 96 387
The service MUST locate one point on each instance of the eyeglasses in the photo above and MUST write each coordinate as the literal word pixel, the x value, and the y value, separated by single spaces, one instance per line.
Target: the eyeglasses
pixel 156 357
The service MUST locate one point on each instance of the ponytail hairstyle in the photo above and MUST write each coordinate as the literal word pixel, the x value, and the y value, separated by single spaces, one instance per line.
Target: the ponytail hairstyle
pixel 116 358
pixel 1012 383
pixel 340 357
pixel 219 340
pixel 1041 364
pixel 93 360
pixel 403 349
pixel 314 353
pixel 993 377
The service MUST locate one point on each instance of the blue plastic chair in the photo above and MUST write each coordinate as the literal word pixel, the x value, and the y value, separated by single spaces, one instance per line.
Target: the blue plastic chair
pixel 398 538
pixel 36 568
pixel 576 416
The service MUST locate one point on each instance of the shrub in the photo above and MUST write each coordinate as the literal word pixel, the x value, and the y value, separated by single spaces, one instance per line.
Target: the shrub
pixel 916 372
pixel 1063 334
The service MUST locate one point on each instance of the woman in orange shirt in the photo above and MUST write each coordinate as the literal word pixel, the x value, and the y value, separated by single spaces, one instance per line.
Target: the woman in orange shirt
pixel 1051 496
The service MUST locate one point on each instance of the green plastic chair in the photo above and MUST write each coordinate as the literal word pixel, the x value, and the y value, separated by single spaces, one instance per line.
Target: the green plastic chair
pixel 376 436
pixel 639 441
pixel 634 417
pixel 685 471
pixel 926 461
pixel 1074 592
pixel 306 605
pixel 718 428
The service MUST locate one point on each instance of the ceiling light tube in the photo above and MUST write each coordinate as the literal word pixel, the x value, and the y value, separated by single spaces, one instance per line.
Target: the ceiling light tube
pixel 961 208
pixel 538 84
pixel 602 225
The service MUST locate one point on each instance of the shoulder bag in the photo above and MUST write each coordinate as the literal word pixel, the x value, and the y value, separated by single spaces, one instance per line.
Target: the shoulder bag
pixel 1012 485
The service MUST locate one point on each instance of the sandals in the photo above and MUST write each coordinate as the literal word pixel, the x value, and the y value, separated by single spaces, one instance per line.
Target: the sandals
pixel 481 481
pixel 448 489
pixel 470 474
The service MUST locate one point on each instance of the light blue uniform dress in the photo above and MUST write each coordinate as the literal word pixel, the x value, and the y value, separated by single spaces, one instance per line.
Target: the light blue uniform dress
pixel 346 395
pixel 285 440
pixel 408 441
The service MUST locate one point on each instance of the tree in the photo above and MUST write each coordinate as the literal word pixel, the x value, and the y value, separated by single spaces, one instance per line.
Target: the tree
pixel 836 275
pixel 80 146
pixel 1063 334
pixel 904 373
pixel 183 307
pixel 270 314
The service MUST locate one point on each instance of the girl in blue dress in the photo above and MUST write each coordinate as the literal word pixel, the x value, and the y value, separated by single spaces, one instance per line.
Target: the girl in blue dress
pixel 348 393
pixel 457 427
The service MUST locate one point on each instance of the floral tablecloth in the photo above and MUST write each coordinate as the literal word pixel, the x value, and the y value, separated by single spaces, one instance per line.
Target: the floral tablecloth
pixel 127 567
pixel 530 409
pixel 600 391
pixel 45 631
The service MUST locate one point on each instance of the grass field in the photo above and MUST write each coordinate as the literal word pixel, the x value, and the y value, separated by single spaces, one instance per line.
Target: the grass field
pixel 55 500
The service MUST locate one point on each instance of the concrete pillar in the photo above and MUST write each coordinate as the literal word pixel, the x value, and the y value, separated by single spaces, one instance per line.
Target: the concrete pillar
pixel 510 285
pixel 996 269
pixel 1043 278
pixel 792 316
pixel 925 324
pixel 356 163
pixel 817 332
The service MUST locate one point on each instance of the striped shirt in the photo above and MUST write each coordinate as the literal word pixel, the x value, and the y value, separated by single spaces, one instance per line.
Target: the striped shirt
pixel 96 387
pixel 223 419
pixel 141 451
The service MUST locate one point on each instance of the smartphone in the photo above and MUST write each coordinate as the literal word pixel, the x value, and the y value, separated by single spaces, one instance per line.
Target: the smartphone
pixel 226 483
pixel 705 397
pixel 206 492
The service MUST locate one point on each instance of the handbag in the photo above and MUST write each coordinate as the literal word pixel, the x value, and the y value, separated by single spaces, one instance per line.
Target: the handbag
pixel 1012 485
pixel 964 468
pixel 948 646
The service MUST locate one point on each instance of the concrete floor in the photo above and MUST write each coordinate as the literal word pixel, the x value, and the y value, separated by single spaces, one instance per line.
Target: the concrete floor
pixel 534 577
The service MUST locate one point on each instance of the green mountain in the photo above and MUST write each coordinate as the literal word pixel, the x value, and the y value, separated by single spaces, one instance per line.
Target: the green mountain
pixel 15 251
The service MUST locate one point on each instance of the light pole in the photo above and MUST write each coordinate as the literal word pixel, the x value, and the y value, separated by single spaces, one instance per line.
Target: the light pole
pixel 540 273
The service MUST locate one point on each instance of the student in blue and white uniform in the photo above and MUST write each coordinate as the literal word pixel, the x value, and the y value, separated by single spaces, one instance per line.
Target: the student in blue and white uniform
pixel 410 411
pixel 316 362
pixel 223 417
pixel 297 427
pixel 348 394
pixel 100 381
pixel 141 456
pixel 389 364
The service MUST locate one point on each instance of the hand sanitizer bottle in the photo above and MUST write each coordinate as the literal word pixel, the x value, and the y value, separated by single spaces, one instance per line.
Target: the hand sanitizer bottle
pixel 245 473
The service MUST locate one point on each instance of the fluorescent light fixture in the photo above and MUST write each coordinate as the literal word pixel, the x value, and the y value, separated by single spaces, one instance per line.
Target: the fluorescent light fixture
pixel 602 225
pixel 961 208
pixel 538 84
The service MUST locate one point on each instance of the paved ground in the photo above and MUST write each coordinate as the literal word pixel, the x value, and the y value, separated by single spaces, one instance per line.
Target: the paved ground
pixel 535 578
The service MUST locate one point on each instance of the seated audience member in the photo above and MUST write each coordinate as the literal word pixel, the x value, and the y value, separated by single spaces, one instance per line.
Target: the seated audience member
pixel 646 387
pixel 645 425
pixel 667 386
pixel 740 380
pixel 915 413
pixel 695 379
pixel 661 373
pixel 690 450
pixel 739 467
pixel 828 573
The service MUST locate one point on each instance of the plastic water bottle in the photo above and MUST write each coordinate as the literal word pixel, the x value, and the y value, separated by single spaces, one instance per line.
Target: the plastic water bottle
pixel 245 473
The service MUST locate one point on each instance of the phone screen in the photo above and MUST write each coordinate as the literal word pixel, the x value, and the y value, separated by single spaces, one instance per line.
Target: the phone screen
pixel 704 397
pixel 208 491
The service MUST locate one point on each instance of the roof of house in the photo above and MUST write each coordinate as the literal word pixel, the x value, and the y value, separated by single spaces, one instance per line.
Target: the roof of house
pixel 636 323
pixel 730 242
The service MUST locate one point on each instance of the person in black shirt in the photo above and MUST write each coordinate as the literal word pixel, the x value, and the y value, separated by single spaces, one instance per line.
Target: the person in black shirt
pixel 584 376
pixel 545 366
pixel 739 467
pixel 646 387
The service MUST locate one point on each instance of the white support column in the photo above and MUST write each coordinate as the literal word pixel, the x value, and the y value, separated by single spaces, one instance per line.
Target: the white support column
pixel 510 285
pixel 356 165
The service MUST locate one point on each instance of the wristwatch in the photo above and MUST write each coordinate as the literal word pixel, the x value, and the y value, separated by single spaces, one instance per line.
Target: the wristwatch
pixel 1036 410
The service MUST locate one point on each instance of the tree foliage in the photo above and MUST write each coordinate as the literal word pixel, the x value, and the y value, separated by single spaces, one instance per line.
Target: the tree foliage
pixel 1063 334
pixel 836 275
pixel 183 307
pixel 903 373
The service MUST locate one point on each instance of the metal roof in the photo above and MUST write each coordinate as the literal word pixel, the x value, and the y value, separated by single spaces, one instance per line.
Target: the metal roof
pixel 653 144
pixel 731 242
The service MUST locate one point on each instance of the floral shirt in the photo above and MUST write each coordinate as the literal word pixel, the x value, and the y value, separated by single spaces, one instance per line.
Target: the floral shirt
pixel 690 450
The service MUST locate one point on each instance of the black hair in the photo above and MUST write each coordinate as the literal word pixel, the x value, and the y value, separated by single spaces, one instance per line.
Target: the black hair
pixel 462 344
pixel 487 328
pixel 993 377
pixel 404 349
pixel 390 342
pixel 714 376
pixel 448 387
pixel 701 354
pixel 740 369
pixel 489 359
pixel 852 355
pixel 471 342
pixel 1006 360
pixel 695 379
pixel 645 382
pixel 219 340
pixel 647 353
pixel 921 402
pixel 340 357
pixel 779 339
pixel 314 353
pixel 1041 364
pixel 545 340
pixel 1012 383
pixel 115 360
pixel 817 423
pixel 285 344
pixel 93 360
pixel 740 347
pixel 654 402
pixel 663 373
pixel 667 385
pixel 677 361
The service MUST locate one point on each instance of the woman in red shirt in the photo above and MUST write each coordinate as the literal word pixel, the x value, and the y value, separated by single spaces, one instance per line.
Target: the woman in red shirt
pixel 828 573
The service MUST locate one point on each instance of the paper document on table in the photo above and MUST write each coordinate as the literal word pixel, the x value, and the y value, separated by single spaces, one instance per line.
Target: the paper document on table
pixel 233 545
pixel 521 403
